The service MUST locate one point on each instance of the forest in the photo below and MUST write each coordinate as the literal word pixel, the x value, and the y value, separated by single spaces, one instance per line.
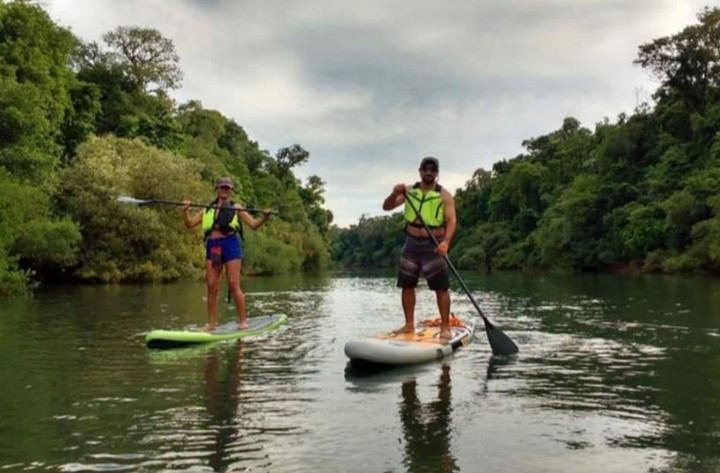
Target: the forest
pixel 640 194
pixel 85 123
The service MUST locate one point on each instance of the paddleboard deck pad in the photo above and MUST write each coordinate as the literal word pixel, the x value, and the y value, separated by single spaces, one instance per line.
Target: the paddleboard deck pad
pixel 396 348
pixel 229 331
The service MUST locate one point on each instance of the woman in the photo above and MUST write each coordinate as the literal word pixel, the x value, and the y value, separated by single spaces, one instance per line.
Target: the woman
pixel 222 226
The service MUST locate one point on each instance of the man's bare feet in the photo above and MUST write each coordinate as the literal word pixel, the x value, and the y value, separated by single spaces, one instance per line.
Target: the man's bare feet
pixel 208 328
pixel 404 329
pixel 445 333
pixel 243 325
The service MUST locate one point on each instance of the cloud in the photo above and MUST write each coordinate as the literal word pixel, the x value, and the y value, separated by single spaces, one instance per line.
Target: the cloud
pixel 371 87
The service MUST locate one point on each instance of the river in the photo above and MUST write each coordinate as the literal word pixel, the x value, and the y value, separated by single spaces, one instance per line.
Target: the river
pixel 615 374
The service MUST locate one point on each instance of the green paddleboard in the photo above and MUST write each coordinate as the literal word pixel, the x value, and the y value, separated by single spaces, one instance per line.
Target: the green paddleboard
pixel 229 331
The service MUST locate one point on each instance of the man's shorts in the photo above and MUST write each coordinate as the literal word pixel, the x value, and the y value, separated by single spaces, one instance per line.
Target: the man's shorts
pixel 229 248
pixel 420 259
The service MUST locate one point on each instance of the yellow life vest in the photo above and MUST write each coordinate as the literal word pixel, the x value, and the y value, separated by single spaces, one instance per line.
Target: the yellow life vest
pixel 429 206
pixel 226 220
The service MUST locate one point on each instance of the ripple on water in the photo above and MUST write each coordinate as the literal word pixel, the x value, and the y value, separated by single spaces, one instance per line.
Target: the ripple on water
pixel 589 391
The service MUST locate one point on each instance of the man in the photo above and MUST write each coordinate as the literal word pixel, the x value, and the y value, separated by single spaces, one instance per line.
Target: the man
pixel 222 225
pixel 436 208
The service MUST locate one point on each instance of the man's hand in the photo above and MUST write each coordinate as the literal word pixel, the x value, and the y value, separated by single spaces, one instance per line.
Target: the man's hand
pixel 442 248
pixel 395 198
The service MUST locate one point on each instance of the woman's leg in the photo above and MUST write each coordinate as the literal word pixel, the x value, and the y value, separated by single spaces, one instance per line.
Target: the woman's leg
pixel 212 278
pixel 232 270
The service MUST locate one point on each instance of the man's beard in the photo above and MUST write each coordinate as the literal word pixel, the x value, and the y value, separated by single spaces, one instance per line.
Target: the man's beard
pixel 428 180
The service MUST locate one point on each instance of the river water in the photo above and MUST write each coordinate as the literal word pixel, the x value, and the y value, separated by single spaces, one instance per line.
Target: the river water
pixel 614 374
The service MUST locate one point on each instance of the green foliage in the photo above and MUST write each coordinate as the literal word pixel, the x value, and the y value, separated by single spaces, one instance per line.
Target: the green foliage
pixel 517 195
pixel 668 174
pixel 30 237
pixel 123 242
pixel 374 241
pixel 48 243
pixel 146 56
pixel 683 211
pixel 34 90
pixel 218 144
pixel 641 191
pixel 481 247
pixel 645 230
pixel 313 199
pixel 270 257
pixel 289 157
pixel 79 122
pixel 102 112
pixel 135 60
pixel 688 63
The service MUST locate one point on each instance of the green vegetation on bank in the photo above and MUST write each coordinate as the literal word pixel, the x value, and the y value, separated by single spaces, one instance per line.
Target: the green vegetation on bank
pixel 83 123
pixel 641 193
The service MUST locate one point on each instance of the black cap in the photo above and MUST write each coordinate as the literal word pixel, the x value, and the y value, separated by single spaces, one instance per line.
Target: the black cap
pixel 429 160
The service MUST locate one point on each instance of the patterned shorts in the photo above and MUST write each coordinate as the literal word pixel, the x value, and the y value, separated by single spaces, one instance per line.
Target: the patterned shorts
pixel 420 259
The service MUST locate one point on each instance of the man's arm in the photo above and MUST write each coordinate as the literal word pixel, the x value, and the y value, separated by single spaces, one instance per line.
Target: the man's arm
pixel 450 221
pixel 396 197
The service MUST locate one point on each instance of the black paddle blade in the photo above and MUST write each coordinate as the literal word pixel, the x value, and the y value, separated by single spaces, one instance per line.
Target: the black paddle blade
pixel 500 343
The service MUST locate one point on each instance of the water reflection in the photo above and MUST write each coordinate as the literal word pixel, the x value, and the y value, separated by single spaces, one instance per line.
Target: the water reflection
pixel 426 427
pixel 221 393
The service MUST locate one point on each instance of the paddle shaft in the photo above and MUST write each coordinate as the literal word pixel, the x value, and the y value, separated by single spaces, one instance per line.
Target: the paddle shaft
pixel 180 204
pixel 449 263
pixel 170 202
pixel 501 344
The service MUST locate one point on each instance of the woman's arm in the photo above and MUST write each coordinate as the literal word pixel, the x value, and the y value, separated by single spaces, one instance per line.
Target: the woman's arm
pixel 249 219
pixel 190 220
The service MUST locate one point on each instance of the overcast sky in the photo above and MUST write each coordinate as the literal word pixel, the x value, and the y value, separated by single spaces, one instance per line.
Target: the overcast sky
pixel 369 88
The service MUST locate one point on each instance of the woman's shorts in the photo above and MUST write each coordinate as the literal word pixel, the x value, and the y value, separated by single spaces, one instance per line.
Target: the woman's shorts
pixel 229 248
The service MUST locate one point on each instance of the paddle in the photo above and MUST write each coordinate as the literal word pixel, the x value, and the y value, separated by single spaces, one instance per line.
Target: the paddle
pixel 500 343
pixel 123 199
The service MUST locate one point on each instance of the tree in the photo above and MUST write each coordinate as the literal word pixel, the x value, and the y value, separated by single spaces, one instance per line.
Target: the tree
pixel 289 157
pixel 147 56
pixel 688 63
pixel 134 60
pixel 312 197
pixel 34 90
pixel 32 240
pixel 125 242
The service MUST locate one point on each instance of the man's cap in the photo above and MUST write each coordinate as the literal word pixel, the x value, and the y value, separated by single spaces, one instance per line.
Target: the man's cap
pixel 429 161
pixel 224 182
